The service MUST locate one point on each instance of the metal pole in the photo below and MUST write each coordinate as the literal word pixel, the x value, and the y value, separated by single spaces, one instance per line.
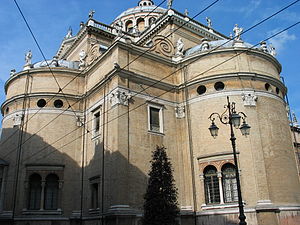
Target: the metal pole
pixel 242 216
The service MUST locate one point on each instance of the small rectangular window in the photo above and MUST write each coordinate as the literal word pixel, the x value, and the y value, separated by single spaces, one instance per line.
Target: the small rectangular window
pixel 155 118
pixel 96 123
pixel 95 188
pixel 95 195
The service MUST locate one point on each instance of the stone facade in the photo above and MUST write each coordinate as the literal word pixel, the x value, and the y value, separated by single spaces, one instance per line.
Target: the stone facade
pixel 79 152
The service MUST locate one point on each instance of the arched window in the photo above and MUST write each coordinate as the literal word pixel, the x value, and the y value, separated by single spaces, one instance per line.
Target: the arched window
pixel 129 26
pixel 34 194
pixel 140 24
pixel 229 183
pixel 211 185
pixel 51 192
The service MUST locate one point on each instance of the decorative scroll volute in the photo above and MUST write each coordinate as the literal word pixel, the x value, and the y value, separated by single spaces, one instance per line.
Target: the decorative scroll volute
pixel 93 53
pixel 161 45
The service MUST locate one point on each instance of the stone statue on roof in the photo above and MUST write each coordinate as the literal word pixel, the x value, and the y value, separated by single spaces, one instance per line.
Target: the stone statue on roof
pixel 91 14
pixel 119 27
pixel 179 47
pixel 170 3
pixel 263 46
pixel 294 120
pixel 70 33
pixel 272 50
pixel 81 25
pixel 186 12
pixel 28 57
pixel 82 58
pixel 209 23
pixel 237 32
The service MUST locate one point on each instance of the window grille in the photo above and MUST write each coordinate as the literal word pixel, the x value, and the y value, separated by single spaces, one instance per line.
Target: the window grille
pixel 211 186
pixel 35 189
pixel 51 192
pixel 229 183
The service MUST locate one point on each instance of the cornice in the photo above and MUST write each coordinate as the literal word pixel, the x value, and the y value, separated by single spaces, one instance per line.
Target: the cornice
pixel 44 110
pixel 235 50
pixel 180 20
pixel 79 37
pixel 40 70
pixel 140 79
pixel 85 31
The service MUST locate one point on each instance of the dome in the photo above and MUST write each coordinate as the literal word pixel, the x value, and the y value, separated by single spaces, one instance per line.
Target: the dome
pixel 136 20
pixel 141 9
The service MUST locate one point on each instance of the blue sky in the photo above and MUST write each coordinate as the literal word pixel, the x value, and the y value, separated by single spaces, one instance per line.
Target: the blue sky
pixel 50 21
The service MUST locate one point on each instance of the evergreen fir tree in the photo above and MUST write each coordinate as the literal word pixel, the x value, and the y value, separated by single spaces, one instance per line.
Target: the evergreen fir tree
pixel 160 207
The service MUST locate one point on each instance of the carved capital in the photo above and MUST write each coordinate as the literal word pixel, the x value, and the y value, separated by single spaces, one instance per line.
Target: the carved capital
pixel 17 119
pixel 119 97
pixel 249 98
pixel 180 111
pixel 80 121
pixel 219 174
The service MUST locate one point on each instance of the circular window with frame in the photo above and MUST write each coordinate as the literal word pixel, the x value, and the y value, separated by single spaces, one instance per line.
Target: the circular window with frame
pixel 58 103
pixel 219 86
pixel 41 103
pixel 201 89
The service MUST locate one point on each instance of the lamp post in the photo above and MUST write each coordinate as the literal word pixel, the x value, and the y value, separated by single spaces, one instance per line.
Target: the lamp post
pixel 231 117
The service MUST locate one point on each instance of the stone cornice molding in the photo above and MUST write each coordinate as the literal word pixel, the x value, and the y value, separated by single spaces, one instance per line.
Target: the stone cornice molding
pixel 140 79
pixel 44 110
pixel 238 50
pixel 180 20
pixel 88 29
pixel 55 70
pixel 82 33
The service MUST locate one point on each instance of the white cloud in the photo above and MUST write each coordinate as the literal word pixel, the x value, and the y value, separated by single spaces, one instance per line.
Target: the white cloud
pixel 280 41
pixel 249 9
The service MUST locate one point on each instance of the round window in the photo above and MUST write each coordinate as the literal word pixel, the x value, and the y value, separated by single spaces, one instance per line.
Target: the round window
pixel 219 86
pixel 268 87
pixel 201 89
pixel 58 103
pixel 41 103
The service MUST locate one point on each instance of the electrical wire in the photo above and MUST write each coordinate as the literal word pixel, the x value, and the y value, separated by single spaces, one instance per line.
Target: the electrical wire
pixel 210 50
pixel 155 97
pixel 121 68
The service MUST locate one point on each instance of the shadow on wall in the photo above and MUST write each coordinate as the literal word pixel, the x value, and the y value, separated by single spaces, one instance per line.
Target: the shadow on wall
pixel 40 158
pixel 123 183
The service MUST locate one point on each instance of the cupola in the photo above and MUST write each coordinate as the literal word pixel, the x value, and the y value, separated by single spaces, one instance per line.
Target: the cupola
pixel 145 3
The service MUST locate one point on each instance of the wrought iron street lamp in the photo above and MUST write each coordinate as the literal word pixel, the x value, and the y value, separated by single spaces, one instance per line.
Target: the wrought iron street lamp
pixel 231 117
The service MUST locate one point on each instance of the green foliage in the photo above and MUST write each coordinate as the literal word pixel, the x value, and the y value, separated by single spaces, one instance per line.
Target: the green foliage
pixel 160 207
